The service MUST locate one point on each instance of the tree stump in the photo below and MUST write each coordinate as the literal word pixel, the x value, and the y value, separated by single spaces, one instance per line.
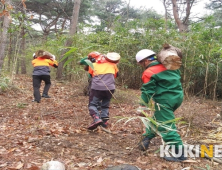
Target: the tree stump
pixel 170 57
pixel 43 54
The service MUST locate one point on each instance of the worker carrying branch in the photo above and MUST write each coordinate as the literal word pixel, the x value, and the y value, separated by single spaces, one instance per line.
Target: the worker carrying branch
pixel 93 57
pixel 103 74
pixel 163 86
pixel 41 62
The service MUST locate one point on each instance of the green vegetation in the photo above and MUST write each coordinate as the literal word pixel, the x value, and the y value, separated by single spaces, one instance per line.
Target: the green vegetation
pixel 4 84
pixel 122 29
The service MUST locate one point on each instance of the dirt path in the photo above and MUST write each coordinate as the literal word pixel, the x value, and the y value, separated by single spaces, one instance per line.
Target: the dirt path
pixel 55 129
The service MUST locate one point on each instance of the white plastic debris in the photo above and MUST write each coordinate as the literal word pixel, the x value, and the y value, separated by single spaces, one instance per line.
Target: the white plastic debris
pixel 53 165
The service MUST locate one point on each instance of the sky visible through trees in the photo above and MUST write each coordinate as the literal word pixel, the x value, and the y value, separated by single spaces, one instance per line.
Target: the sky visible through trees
pixel 158 6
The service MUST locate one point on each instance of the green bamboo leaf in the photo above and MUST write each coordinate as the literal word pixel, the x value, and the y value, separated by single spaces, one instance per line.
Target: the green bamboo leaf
pixel 148 124
pixel 72 50
pixel 68 53
pixel 68 61
pixel 89 63
pixel 121 118
pixel 157 151
pixel 183 122
pixel 130 119
pixel 171 121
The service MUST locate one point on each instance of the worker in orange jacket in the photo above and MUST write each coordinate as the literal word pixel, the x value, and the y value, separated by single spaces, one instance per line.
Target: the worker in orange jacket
pixel 41 73
pixel 93 57
pixel 103 75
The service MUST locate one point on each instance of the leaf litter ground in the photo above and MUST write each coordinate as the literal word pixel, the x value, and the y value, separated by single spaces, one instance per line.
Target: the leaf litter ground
pixel 56 129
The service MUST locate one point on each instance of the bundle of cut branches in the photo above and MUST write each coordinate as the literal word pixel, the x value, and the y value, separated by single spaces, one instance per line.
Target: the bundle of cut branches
pixel 43 54
pixel 170 57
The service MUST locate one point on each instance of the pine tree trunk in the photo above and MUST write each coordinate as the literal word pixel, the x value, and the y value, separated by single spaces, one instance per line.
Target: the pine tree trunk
pixel 183 27
pixel 23 63
pixel 10 52
pixel 73 29
pixel 3 36
pixel 17 66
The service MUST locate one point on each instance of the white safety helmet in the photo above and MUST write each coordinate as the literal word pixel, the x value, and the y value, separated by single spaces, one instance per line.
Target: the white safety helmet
pixel 53 57
pixel 142 54
pixel 33 55
pixel 113 57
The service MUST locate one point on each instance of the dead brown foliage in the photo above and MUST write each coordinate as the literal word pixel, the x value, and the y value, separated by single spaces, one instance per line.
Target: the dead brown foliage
pixel 56 129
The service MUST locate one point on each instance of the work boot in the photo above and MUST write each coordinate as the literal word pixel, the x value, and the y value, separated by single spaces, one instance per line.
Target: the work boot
pixel 172 158
pixel 45 95
pixel 96 122
pixel 105 122
pixel 144 144
pixel 35 101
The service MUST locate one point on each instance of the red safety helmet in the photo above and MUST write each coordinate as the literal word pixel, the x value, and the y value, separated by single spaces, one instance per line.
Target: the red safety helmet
pixel 94 54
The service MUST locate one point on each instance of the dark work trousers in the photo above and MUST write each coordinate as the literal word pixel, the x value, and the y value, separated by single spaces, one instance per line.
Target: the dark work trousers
pixel 100 98
pixel 37 83
pixel 89 85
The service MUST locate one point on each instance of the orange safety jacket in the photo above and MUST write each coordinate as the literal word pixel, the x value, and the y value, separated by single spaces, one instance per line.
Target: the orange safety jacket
pixel 103 68
pixel 41 66
pixel 103 76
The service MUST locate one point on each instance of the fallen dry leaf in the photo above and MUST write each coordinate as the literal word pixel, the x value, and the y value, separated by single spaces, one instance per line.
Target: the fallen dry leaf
pixel 99 160
pixel 20 165
pixel 3 165
pixel 38 133
pixel 141 162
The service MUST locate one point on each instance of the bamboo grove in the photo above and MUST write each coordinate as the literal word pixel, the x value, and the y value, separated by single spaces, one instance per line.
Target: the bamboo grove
pixel 201 46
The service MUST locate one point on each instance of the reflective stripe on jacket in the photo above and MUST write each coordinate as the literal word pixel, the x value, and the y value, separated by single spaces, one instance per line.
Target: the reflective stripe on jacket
pixel 41 66
pixel 103 68
pixel 104 75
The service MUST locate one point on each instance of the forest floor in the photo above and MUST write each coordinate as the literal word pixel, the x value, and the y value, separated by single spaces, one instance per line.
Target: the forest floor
pixel 56 129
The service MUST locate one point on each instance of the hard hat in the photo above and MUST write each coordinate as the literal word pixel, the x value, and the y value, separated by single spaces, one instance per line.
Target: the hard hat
pixel 53 57
pixel 94 54
pixel 113 57
pixel 33 55
pixel 145 53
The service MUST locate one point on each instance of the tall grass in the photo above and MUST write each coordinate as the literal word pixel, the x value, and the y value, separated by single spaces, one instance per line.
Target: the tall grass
pixel 4 84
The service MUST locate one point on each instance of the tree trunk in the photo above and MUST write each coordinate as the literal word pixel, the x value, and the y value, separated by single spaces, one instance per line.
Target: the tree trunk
pixel 10 52
pixel 23 63
pixel 17 66
pixel 45 36
pixel 183 27
pixel 72 31
pixel 164 4
pixel 3 36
